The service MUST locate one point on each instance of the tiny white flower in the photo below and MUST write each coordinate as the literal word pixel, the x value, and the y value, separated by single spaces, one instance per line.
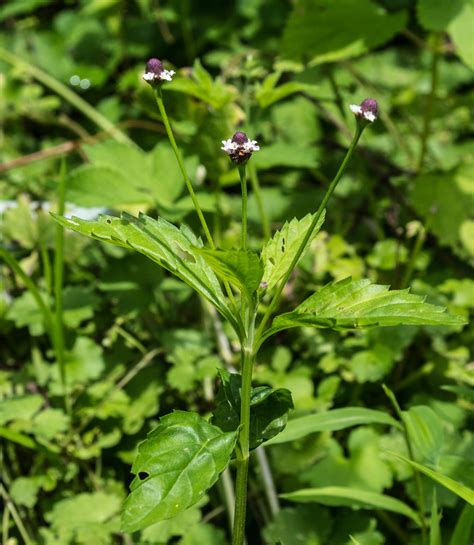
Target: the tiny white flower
pixel 239 147
pixel 155 73
pixel 367 110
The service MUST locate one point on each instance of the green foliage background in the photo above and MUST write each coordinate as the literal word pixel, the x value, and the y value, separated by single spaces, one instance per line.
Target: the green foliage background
pixel 139 343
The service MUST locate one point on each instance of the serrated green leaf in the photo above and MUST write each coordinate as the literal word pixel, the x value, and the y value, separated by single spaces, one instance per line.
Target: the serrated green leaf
pixel 462 532
pixel 337 419
pixel 352 304
pixel 325 31
pixel 268 408
pixel 175 465
pixel 352 497
pixel 239 267
pixel 162 242
pixel 459 489
pixel 281 249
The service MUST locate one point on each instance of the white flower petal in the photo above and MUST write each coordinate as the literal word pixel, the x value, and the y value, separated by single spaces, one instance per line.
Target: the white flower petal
pixel 228 146
pixel 149 76
pixel 370 116
pixel 355 108
pixel 167 75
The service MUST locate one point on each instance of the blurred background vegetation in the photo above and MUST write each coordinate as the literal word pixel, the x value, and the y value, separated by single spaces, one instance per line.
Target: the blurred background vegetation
pixel 138 343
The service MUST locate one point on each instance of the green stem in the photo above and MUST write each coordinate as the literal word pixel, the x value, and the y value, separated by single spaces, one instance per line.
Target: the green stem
pixel 169 132
pixel 243 185
pixel 429 102
pixel 267 479
pixel 276 298
pixel 243 450
pixel 420 239
pixel 68 95
pixel 46 265
pixel 58 288
pixel 419 484
pixel 257 191
pixel 45 311
pixel 202 219
pixel 15 515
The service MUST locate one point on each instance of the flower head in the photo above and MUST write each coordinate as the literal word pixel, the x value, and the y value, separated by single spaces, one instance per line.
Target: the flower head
pixel 155 73
pixel 239 147
pixel 368 110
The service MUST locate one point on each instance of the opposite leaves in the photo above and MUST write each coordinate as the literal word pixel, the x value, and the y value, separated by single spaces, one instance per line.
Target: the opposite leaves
pixel 172 248
pixel 175 465
pixel 350 304
pixel 268 408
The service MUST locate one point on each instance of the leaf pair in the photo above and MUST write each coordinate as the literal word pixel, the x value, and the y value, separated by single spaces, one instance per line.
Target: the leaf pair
pixel 268 408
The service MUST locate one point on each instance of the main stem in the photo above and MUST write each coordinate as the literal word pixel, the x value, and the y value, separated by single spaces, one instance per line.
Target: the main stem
pixel 243 450
pixel 169 132
pixel 276 298
pixel 243 185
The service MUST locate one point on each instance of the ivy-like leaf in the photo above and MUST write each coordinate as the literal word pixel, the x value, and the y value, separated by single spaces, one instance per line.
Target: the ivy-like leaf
pixel 175 465
pixel 172 248
pixel 240 267
pixel 268 408
pixel 280 250
pixel 351 304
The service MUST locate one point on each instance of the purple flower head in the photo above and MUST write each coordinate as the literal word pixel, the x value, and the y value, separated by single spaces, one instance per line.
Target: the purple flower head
pixel 155 66
pixel 368 110
pixel 155 73
pixel 239 148
pixel 240 138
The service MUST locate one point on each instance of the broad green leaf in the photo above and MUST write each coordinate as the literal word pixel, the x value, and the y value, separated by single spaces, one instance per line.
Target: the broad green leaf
pixel 455 487
pixel 175 465
pixel 337 419
pixel 460 30
pixel 240 267
pixel 268 408
pixel 352 304
pixel 446 202
pixel 351 497
pixel 326 31
pixel 162 242
pixel 462 531
pixel 138 178
pixel 19 408
pixel 438 14
pixel 281 249
pixel 425 431
pixel 85 518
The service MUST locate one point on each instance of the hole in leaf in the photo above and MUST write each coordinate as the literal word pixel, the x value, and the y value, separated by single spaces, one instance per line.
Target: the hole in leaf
pixel 143 475
pixel 108 221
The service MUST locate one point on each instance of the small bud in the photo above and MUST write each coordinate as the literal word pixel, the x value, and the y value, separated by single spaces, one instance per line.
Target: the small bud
pixel 368 110
pixel 239 148
pixel 156 74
